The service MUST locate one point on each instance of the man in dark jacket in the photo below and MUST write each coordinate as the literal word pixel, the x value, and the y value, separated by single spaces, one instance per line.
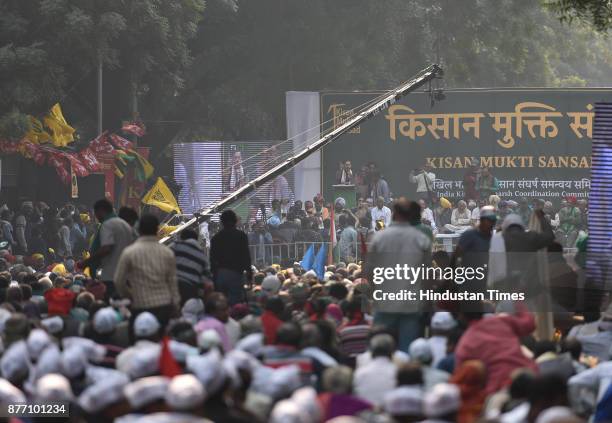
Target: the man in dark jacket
pixel 230 258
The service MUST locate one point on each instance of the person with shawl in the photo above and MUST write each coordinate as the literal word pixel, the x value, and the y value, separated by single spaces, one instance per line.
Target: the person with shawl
pixel 471 379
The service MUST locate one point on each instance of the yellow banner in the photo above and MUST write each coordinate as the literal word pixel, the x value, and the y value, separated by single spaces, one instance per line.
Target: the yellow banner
pixel 161 197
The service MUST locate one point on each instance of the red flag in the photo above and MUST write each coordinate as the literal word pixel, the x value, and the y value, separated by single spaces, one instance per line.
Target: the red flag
pixel 167 364
pixel 100 145
pixel 9 147
pixel 121 142
pixel 135 128
pixel 77 166
pixel 89 160
pixel 56 161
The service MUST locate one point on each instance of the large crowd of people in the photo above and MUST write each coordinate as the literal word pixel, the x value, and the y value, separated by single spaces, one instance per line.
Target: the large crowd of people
pixel 294 225
pixel 95 312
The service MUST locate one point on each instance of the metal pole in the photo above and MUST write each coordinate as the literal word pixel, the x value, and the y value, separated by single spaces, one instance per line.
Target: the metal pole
pixel 387 100
pixel 100 87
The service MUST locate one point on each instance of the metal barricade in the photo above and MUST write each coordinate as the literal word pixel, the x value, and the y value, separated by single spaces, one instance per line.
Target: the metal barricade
pixel 286 253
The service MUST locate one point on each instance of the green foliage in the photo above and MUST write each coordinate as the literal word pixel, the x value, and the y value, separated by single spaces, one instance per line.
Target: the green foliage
pixel 14 124
pixel 245 62
pixel 53 48
pixel 596 12
pixel 225 76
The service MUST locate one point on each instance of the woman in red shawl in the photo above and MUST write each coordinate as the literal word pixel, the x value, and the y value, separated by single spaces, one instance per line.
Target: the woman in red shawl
pixel 271 319
pixel 471 379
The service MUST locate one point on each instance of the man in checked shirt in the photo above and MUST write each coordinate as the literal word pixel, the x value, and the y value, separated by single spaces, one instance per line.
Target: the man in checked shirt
pixel 146 274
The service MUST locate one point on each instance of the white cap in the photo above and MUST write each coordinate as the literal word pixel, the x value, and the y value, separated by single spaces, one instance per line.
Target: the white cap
pixel 4 316
pixel 105 320
pixel 208 369
pixel 557 414
pixel 276 383
pixel 193 310
pixel 93 351
pixel 287 411
pixel 405 400
pixel 74 361
pixel 443 399
pixel 145 325
pixel 162 417
pixel 443 320
pixel 311 273
pixel 53 325
pixel 185 392
pixel 53 387
pixel 252 343
pixel 512 219
pixel 139 361
pixel 420 350
pixel 306 399
pixel 15 362
pixel 94 374
pixel 105 392
pixel 271 284
pixel 146 390
pixel 208 339
pixel 9 394
pixel 37 341
pixel 49 362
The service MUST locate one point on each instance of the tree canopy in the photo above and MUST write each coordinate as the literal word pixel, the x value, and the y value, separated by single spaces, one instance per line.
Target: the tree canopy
pixel 596 12
pixel 222 73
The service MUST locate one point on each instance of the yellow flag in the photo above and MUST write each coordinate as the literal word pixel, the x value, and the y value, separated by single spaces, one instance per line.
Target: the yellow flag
pixel 61 132
pixel 161 197
pixel 37 133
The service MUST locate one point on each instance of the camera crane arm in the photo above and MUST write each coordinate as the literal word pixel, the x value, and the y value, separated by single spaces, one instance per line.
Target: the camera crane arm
pixel 421 78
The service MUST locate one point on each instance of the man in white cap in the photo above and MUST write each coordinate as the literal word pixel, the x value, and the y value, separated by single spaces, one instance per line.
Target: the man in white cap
pixel 271 285
pixel 146 326
pixel 442 323
pixel 442 403
pixel 404 404
pixel 420 352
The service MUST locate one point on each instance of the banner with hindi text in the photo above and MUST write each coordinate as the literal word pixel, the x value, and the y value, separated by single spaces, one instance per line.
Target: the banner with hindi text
pixel 536 142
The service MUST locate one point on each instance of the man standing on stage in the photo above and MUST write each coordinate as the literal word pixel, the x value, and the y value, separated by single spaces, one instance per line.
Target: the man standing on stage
pixel 230 259
pixel 344 176
pixel 423 178
pixel 380 188
pixel 470 180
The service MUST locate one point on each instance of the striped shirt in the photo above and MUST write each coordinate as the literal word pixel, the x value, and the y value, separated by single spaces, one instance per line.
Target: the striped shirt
pixel 146 274
pixel 191 262
pixel 354 339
